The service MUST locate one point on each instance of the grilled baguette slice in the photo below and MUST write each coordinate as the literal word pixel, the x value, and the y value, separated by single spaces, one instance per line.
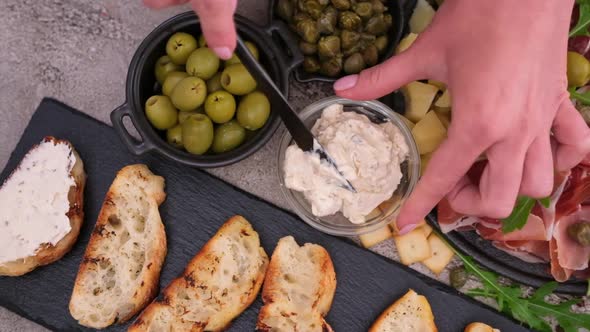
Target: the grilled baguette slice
pixel 47 253
pixel 410 313
pixel 120 271
pixel 298 289
pixel 218 284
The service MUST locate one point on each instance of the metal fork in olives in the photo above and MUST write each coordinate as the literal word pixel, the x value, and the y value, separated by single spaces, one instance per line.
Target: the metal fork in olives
pixel 196 109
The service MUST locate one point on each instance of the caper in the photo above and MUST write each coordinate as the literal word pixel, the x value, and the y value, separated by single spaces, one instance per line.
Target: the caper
pixel 458 276
pixel 580 232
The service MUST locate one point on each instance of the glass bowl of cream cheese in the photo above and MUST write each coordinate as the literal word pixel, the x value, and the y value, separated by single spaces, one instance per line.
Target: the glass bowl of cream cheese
pixel 375 151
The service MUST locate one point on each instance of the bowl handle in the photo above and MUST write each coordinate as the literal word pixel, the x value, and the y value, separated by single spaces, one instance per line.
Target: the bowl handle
pixel 292 55
pixel 135 146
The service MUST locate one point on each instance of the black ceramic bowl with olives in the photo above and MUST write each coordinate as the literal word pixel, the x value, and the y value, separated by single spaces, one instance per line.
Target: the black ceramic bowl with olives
pixel 194 108
pixel 340 37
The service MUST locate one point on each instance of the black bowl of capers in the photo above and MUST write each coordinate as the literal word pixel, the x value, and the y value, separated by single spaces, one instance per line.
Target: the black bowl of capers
pixel 340 37
pixel 190 106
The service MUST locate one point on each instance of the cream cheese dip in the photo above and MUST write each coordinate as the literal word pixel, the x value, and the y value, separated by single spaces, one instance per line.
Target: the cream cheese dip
pixel 368 155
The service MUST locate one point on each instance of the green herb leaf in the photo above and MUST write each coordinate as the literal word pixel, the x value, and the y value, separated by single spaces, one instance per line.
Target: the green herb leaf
pixel 584 98
pixel 588 291
pixel 581 28
pixel 531 310
pixel 520 214
pixel 545 202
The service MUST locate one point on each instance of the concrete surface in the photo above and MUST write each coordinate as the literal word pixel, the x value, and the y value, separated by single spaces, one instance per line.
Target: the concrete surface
pixel 78 52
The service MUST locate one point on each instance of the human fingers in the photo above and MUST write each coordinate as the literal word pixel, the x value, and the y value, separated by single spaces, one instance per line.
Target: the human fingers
pixel 217 23
pixel 537 177
pixel 384 78
pixel 434 185
pixel 157 4
pixel 495 194
pixel 572 134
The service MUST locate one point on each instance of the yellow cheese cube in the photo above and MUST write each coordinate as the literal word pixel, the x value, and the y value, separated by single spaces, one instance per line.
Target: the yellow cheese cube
pixel 441 254
pixel 429 133
pixel 445 118
pixel 419 97
pixel 405 43
pixel 442 86
pixel 443 103
pixel 408 123
pixel 424 160
pixel 370 239
pixel 421 17
pixel 412 247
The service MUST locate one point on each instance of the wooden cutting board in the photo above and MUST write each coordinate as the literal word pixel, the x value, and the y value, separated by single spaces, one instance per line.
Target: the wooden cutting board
pixel 196 205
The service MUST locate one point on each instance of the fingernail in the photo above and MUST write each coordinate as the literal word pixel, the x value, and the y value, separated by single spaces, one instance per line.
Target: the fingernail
pixel 407 228
pixel 346 83
pixel 222 52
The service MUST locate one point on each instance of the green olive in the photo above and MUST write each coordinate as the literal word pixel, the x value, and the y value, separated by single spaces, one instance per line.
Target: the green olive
pixel 182 116
pixel 180 46
pixel 189 94
pixel 202 63
pixel 228 136
pixel 234 58
pixel 214 83
pixel 458 277
pixel 197 134
pixel 578 69
pixel 253 111
pixel 174 136
pixel 164 66
pixel 160 112
pixel 202 41
pixel 220 106
pixel 171 80
pixel 236 80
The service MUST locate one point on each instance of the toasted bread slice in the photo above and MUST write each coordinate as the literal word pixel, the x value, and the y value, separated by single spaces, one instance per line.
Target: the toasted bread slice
pixel 480 327
pixel 120 271
pixel 218 284
pixel 410 313
pixel 41 207
pixel 298 289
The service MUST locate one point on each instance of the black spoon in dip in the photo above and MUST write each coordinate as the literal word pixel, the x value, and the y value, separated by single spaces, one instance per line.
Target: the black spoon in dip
pixel 300 133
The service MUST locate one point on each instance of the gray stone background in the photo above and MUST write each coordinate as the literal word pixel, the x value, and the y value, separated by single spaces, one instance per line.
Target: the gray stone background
pixel 78 52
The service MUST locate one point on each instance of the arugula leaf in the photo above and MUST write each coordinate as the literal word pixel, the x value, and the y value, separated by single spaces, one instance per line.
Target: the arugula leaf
pixel 584 98
pixel 520 214
pixel 529 310
pixel 517 219
pixel 581 28
pixel 545 202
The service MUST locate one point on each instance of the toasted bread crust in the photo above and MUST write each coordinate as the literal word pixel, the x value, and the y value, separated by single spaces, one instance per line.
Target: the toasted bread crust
pixel 426 313
pixel 164 313
pixel 51 253
pixel 149 274
pixel 274 285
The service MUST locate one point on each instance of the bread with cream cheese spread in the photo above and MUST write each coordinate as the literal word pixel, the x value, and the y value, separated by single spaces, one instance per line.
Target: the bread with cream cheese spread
pixel 298 289
pixel 120 271
pixel 36 188
pixel 218 284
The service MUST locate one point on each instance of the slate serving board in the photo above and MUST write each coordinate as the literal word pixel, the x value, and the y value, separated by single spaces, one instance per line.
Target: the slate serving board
pixel 196 205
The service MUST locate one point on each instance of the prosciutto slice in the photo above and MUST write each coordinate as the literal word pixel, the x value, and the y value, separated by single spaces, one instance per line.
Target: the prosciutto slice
pixel 544 238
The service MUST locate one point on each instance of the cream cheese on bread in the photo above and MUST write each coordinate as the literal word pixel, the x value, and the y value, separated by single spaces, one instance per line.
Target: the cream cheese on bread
pixel 34 201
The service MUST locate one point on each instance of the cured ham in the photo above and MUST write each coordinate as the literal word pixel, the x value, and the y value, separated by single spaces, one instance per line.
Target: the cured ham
pixel 544 238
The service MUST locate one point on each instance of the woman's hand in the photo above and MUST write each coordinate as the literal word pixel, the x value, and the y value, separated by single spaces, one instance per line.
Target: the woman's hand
pixel 505 64
pixel 217 22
